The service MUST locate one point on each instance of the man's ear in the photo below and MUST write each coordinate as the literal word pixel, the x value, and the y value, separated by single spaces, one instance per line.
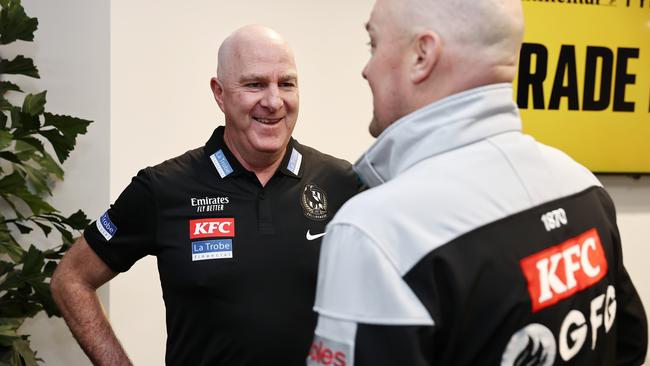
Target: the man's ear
pixel 427 48
pixel 217 91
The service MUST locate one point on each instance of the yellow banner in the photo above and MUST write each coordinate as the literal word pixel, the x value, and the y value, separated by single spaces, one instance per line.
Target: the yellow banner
pixel 584 80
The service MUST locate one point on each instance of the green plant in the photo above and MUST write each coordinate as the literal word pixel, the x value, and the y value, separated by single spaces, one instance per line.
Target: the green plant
pixel 27 172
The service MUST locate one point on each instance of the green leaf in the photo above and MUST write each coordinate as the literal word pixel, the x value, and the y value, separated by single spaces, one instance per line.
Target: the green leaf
pixel 5 138
pixel 15 24
pixel 10 247
pixel 65 234
pixel 37 178
pixel 20 308
pixel 26 353
pixel 10 157
pixel 62 145
pixel 12 182
pixel 32 142
pixel 46 229
pixel 6 86
pixel 78 220
pixel 69 126
pixel 43 295
pixel 9 331
pixel 29 124
pixel 33 261
pixel 23 229
pixel 5 105
pixel 15 117
pixel 20 65
pixel 6 267
pixel 15 185
pixel 47 162
pixel 63 139
pixel 50 267
pixel 13 280
pixel 34 104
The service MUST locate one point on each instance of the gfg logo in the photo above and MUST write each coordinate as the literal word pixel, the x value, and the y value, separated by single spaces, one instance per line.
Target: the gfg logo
pixel 211 228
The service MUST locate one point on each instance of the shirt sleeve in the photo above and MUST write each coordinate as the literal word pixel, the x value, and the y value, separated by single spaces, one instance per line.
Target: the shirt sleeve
pixel 368 315
pixel 126 232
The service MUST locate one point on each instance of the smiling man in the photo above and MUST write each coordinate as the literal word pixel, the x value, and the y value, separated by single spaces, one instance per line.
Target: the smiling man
pixel 235 226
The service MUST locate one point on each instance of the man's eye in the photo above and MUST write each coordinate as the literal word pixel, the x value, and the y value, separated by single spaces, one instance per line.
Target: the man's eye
pixel 371 45
pixel 287 85
pixel 254 85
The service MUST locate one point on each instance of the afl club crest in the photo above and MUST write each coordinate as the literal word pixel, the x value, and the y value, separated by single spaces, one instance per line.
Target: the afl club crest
pixel 314 202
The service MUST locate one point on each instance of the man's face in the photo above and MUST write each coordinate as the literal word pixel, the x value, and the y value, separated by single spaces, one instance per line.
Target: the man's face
pixel 385 70
pixel 259 97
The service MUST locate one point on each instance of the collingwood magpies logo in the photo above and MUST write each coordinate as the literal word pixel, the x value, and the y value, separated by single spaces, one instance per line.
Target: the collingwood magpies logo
pixel 314 202
pixel 533 345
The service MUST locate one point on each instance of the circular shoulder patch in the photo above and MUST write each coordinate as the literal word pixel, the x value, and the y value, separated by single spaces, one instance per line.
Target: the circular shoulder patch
pixel 314 202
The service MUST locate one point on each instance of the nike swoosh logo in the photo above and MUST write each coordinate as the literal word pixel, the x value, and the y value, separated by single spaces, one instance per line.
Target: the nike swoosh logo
pixel 309 236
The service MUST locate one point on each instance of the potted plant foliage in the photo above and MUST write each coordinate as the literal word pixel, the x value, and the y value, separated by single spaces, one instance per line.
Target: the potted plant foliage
pixel 33 145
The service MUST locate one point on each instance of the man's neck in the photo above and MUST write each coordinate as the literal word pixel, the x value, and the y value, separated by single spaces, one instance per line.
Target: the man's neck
pixel 264 165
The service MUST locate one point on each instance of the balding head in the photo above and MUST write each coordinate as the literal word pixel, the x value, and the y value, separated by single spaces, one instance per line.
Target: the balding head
pixel 250 38
pixel 487 30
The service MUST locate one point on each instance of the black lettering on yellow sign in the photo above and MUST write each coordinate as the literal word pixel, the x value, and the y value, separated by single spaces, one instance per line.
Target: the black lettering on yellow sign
pixel 641 3
pixel 565 82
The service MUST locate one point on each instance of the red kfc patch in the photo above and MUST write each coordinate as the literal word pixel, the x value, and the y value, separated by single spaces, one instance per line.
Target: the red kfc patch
pixel 560 271
pixel 212 228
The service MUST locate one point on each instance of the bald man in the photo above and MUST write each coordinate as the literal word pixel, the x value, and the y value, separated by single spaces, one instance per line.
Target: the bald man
pixel 235 227
pixel 475 244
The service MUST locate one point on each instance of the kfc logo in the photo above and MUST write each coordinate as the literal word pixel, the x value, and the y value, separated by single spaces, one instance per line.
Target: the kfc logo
pixel 564 269
pixel 328 353
pixel 210 228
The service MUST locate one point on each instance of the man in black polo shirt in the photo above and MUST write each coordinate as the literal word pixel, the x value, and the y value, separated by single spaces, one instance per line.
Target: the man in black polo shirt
pixel 235 226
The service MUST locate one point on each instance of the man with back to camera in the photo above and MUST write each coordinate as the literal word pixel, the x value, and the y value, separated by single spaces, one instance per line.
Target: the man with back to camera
pixel 235 226
pixel 475 245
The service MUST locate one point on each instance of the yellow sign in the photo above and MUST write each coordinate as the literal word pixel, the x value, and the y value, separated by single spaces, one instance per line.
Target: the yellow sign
pixel 584 80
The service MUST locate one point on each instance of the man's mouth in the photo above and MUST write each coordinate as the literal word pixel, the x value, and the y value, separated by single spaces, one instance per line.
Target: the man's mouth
pixel 268 121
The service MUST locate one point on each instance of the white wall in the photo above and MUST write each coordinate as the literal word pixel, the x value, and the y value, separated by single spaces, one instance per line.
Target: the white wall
pixel 72 55
pixel 162 55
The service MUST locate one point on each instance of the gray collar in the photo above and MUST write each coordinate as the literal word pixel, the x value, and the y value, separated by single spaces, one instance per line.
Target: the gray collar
pixel 447 124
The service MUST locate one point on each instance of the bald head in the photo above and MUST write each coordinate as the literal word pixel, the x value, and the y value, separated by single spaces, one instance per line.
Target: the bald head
pixel 245 41
pixel 487 31
pixel 426 50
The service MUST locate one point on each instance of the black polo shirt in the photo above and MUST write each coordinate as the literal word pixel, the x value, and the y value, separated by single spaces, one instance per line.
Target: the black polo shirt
pixel 237 261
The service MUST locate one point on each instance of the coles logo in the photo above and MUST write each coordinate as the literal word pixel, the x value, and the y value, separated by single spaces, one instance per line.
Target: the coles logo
pixel 560 271
pixel 327 352
pixel 211 228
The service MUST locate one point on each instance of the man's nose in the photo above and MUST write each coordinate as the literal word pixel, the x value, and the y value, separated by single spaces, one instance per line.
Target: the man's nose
pixel 364 72
pixel 272 98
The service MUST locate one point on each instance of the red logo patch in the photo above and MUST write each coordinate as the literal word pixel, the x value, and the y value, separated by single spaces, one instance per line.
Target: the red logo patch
pixel 560 271
pixel 321 354
pixel 212 228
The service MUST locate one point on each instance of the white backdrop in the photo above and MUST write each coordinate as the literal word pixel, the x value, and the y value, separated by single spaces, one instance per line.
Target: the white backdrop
pixel 153 92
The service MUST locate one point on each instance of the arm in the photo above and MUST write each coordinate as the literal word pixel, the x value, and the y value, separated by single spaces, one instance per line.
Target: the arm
pixel 368 315
pixel 80 273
